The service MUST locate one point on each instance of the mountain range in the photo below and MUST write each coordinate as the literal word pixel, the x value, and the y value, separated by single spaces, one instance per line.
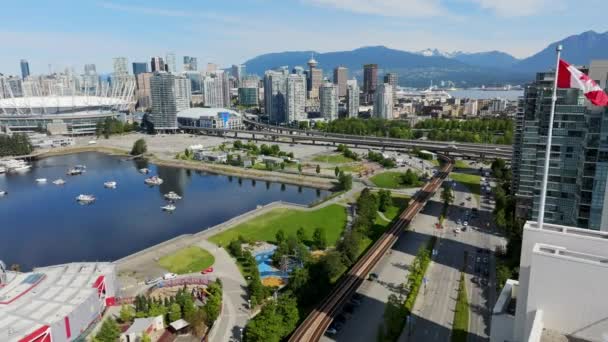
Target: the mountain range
pixel 419 68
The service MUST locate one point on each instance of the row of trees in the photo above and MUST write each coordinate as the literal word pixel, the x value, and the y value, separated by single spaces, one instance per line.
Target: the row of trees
pixel 499 131
pixel 15 145
pixel 257 291
pixel 113 126
pixel 277 319
pixel 266 150
pixel 400 306
pixel 346 152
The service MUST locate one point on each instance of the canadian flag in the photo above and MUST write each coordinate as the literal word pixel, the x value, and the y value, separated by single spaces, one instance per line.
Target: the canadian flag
pixel 571 77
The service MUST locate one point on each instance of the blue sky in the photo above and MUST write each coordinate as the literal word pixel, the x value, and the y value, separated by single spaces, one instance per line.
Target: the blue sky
pixel 69 33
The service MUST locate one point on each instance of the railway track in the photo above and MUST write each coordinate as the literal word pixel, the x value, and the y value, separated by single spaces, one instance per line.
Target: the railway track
pixel 314 326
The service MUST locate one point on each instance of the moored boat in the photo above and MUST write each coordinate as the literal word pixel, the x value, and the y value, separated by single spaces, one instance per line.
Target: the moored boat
pixel 3 193
pixel 40 180
pixel 168 207
pixel 144 170
pixel 110 184
pixel 172 196
pixel 85 198
pixel 59 181
pixel 154 180
pixel 77 170
pixel 14 165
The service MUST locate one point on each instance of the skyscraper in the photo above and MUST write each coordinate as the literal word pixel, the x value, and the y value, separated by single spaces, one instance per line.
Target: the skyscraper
pixel 144 92
pixel 329 101
pixel 157 64
pixel 164 101
pixel 383 102
pixel 90 69
pixel 171 63
pixel 211 68
pixel 392 79
pixel 25 68
pixel 139 68
pixel 578 168
pixel 315 79
pixel 213 91
pixel 275 95
pixel 370 81
pixel 340 77
pixel 352 98
pixel 190 63
pixel 237 72
pixel 120 66
pixel 296 98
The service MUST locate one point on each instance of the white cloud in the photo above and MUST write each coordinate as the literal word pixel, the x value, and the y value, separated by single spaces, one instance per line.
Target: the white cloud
pixel 391 8
pixel 167 12
pixel 518 8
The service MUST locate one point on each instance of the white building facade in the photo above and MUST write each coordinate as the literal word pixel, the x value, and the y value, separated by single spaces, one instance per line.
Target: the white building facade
pixel 329 101
pixel 296 98
pixel 352 95
pixel 383 102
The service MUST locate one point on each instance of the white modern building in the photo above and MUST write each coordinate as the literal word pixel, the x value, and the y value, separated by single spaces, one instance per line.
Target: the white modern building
pixel 296 98
pixel 120 65
pixel 352 97
pixel 171 62
pixel 209 118
pixel 55 303
pixel 561 292
pixel 471 108
pixel 383 102
pixel 329 101
pixel 169 95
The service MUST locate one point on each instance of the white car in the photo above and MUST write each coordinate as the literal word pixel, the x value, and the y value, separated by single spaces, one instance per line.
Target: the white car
pixel 465 223
pixel 168 276
pixel 457 230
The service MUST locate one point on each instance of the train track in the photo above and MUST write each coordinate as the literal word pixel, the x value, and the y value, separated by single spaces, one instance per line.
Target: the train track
pixel 314 326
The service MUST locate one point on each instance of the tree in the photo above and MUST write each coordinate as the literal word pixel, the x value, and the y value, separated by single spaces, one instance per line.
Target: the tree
pixel 318 169
pixel 300 168
pixel 345 180
pixel 332 264
pixel 301 234
pixel 126 313
pixel 349 247
pixel 175 312
pixel 337 171
pixel 280 236
pixel 109 331
pixel 145 338
pixel 447 195
pixel 385 200
pixel 319 240
pixel 235 248
pixel 139 147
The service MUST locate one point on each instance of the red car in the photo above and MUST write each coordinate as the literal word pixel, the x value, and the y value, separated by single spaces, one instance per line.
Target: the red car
pixel 207 270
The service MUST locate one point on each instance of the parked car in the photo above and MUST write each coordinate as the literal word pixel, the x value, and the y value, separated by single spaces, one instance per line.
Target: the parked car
pixel 207 270
pixel 168 276
pixel 372 276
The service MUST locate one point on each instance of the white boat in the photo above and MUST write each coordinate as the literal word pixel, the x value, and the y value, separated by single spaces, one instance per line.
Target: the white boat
pixel 3 193
pixel 144 170
pixel 168 207
pixel 172 196
pixel 154 180
pixel 82 167
pixel 2 169
pixel 40 180
pixel 77 170
pixel 59 181
pixel 14 165
pixel 85 198
pixel 110 185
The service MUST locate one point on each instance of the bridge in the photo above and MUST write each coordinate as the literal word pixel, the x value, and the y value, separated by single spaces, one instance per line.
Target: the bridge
pixel 257 131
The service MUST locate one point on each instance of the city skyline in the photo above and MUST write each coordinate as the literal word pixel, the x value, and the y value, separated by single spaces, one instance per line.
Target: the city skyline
pixel 223 35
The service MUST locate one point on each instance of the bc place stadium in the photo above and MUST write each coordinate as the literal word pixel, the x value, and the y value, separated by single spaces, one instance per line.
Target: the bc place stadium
pixel 62 104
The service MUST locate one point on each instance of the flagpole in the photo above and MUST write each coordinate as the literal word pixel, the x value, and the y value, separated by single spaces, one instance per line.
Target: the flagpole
pixel 543 191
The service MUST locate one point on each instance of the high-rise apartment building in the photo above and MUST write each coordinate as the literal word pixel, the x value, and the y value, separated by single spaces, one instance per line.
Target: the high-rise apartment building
pixel 168 97
pixel 211 68
pixel 237 72
pixel 578 168
pixel 370 81
pixel 157 64
pixel 340 78
pixel 296 98
pixel 471 108
pixel 248 96
pixel 383 102
pixel 213 91
pixel 190 63
pixel 143 90
pixel 25 68
pixel 329 101
pixel 315 79
pixel 139 68
pixel 196 81
pixel 170 63
pixel 392 79
pixel 90 69
pixel 225 77
pixel 183 93
pixel 275 95
pixel 120 66
pixel 352 98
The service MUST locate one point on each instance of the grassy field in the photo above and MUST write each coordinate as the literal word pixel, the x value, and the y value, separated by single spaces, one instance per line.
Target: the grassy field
pixel 352 168
pixel 332 219
pixel 461 315
pixel 187 260
pixel 461 164
pixel 333 159
pixel 472 182
pixel 391 180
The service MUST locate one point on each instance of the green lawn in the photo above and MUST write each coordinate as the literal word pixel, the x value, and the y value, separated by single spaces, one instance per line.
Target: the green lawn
pixel 187 260
pixel 391 180
pixel 461 315
pixel 352 168
pixel 333 159
pixel 332 219
pixel 472 182
pixel 461 164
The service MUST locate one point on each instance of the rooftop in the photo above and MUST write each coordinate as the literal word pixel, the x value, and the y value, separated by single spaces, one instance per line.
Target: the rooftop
pixel 61 102
pixel 197 112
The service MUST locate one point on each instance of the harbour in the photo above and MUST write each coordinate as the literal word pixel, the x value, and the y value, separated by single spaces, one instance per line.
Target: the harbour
pixel 122 219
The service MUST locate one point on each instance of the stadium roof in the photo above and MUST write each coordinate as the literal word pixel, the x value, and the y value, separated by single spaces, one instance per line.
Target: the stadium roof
pixel 34 300
pixel 197 112
pixel 61 102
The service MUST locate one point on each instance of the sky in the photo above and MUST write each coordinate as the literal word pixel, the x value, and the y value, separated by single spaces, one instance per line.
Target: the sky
pixel 71 33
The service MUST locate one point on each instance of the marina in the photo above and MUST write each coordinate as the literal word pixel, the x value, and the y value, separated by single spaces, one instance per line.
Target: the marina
pixel 122 221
